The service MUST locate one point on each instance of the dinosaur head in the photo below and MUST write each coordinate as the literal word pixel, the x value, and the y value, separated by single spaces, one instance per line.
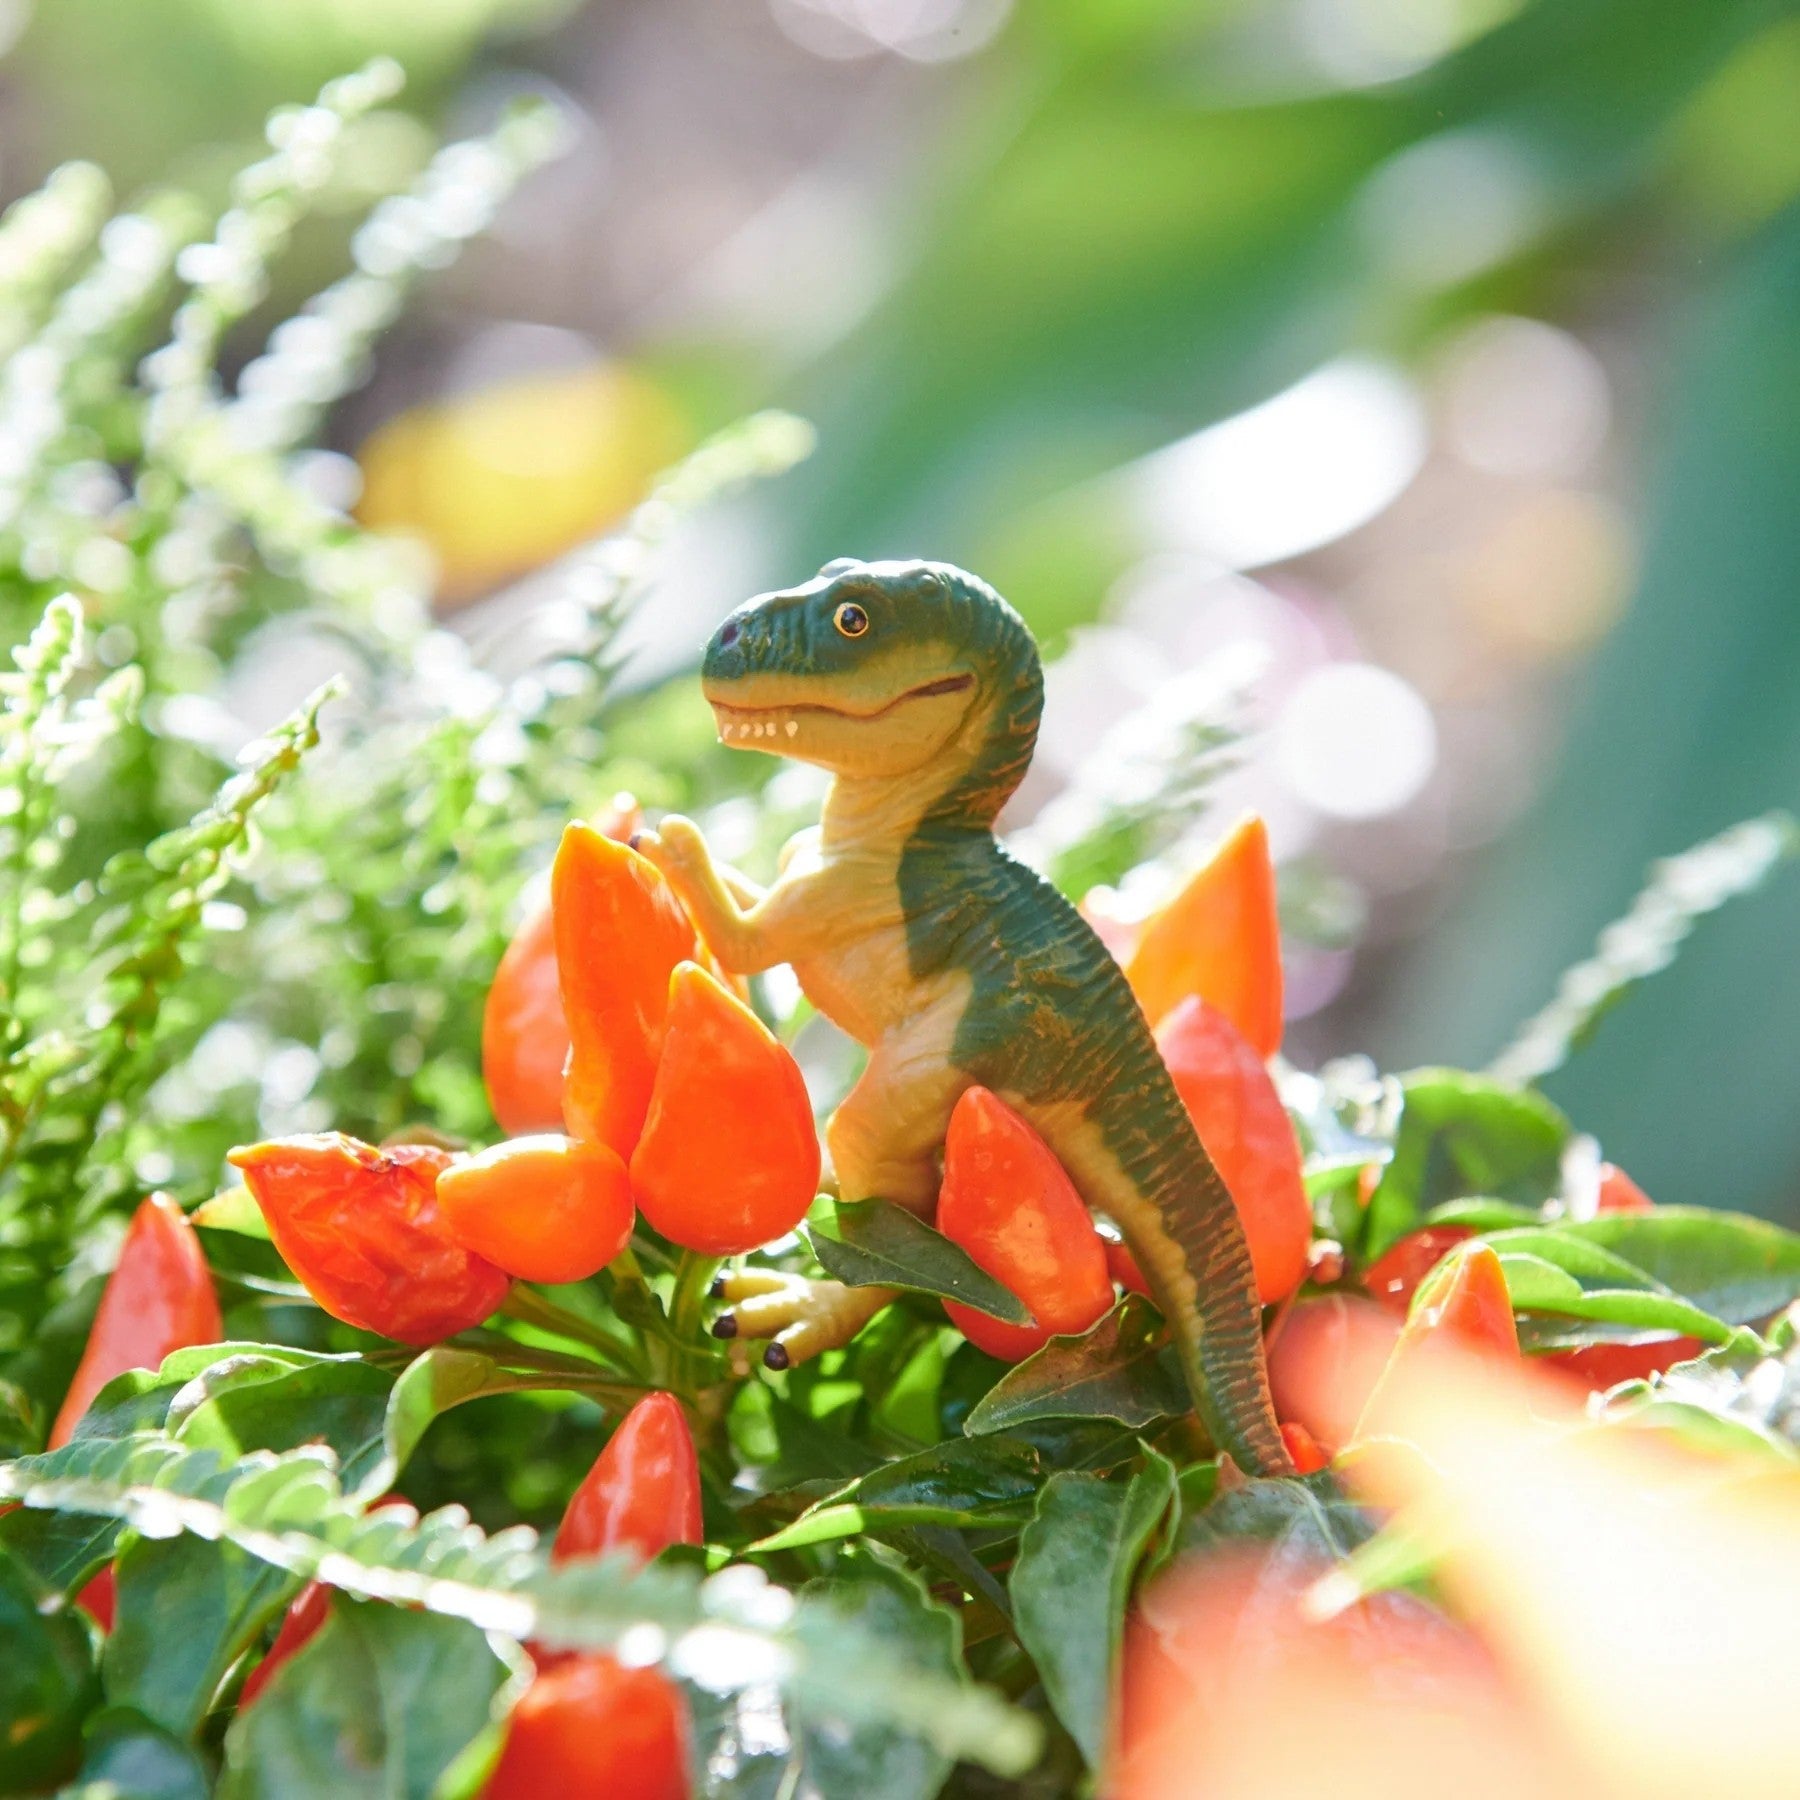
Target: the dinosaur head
pixel 883 670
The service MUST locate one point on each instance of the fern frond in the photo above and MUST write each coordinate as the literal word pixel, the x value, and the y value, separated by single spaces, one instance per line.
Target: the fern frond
pixel 1681 890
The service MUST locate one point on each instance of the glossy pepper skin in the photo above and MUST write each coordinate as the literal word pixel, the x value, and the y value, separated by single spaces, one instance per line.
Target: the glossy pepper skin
pixel 1219 938
pixel 158 1299
pixel 546 1208
pixel 524 1036
pixel 1008 1202
pixel 361 1229
pixel 587 1726
pixel 729 1157
pixel 1394 1276
pixel 643 1492
pixel 620 932
pixel 1245 1128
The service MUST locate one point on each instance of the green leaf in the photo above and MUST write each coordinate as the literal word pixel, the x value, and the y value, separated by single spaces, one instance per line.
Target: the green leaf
pixel 379 1706
pixel 186 1611
pixel 140 1399
pixel 46 1683
pixel 62 1551
pixel 1070 1583
pixel 1536 1284
pixel 231 1210
pixel 872 1243
pixel 131 1757
pixel 1308 1518
pixel 1116 1371
pixel 1463 1136
pixel 1737 1268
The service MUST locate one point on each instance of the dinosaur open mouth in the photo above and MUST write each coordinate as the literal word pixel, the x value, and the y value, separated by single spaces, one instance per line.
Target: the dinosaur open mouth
pixel 784 721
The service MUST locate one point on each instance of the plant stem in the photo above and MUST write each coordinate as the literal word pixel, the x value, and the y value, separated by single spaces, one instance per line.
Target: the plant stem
pixel 530 1307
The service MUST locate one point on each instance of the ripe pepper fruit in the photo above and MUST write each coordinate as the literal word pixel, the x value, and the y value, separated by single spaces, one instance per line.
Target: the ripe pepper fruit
pixel 587 1725
pixel 1394 1276
pixel 620 932
pixel 1219 938
pixel 1620 1194
pixel 1601 1366
pixel 542 1208
pixel 361 1229
pixel 1304 1450
pixel 1008 1202
pixel 524 1036
pixel 1466 1302
pixel 1325 1356
pixel 729 1157
pixel 1247 1133
pixel 643 1492
pixel 158 1299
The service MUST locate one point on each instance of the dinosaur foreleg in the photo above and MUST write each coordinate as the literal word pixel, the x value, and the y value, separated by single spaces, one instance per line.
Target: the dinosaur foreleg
pixel 731 913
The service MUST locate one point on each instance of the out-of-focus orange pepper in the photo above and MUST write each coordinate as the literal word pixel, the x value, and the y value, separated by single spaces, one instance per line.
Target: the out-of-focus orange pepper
pixel 361 1229
pixel 1247 1133
pixel 1009 1203
pixel 545 1208
pixel 1219 938
pixel 524 1036
pixel 586 1725
pixel 1325 1356
pixel 158 1299
pixel 643 1492
pixel 1465 1302
pixel 1303 1449
pixel 620 931
pixel 1620 1194
pixel 1393 1277
pixel 729 1157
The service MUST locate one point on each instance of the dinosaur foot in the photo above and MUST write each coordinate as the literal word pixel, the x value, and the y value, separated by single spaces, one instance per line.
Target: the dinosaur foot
pixel 801 1317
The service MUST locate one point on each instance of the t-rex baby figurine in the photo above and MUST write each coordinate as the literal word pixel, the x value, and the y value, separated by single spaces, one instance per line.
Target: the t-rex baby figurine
pixel 906 923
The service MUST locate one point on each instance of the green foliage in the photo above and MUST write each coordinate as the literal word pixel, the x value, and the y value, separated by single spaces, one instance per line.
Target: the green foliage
pixel 874 1244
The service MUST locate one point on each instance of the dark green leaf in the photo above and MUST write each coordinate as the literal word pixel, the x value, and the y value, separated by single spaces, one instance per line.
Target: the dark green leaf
pixel 1308 1519
pixel 186 1611
pixel 379 1706
pixel 1537 1285
pixel 872 1243
pixel 1115 1371
pixel 1070 1583
pixel 46 1683
pixel 61 1550
pixel 1463 1136
pixel 132 1758
pixel 139 1400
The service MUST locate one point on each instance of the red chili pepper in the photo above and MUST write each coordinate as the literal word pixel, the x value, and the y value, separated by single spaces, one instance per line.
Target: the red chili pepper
pixel 361 1229
pixel 1620 1194
pixel 524 1036
pixel 587 1726
pixel 1303 1449
pixel 643 1492
pixel 620 931
pixel 1393 1277
pixel 1219 938
pixel 1008 1202
pixel 158 1299
pixel 1601 1366
pixel 542 1208
pixel 729 1157
pixel 1247 1133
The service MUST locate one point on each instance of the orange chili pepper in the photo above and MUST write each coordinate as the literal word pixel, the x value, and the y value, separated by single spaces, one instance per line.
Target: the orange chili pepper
pixel 1303 1449
pixel 1009 1203
pixel 586 1725
pixel 1247 1133
pixel 729 1157
pixel 158 1299
pixel 1466 1302
pixel 542 1208
pixel 643 1492
pixel 524 1036
pixel 620 931
pixel 1620 1194
pixel 361 1229
pixel 1219 938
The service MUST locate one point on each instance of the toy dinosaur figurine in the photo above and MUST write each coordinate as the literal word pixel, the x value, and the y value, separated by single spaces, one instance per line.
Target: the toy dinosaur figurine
pixel 905 922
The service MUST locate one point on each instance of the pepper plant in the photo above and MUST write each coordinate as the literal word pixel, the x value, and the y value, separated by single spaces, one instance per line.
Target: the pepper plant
pixel 417 1434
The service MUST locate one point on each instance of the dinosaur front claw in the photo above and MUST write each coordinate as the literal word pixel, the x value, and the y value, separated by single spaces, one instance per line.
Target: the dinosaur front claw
pixel 801 1317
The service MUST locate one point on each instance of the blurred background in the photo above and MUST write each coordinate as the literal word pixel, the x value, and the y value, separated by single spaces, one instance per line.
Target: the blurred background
pixel 1426 370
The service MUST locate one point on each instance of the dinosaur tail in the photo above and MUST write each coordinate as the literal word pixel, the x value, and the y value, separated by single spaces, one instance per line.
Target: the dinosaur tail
pixel 1146 1169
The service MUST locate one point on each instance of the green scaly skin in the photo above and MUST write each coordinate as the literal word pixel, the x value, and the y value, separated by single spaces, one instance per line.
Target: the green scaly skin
pixel 908 924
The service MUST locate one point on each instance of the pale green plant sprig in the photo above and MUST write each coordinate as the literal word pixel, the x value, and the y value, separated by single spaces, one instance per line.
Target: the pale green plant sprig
pixel 728 1631
pixel 41 235
pixel 1678 893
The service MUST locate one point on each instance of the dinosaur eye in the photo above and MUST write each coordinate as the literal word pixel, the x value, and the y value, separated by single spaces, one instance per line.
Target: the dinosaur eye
pixel 850 619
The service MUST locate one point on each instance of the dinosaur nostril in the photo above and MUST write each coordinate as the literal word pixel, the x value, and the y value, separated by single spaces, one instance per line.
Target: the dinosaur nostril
pixel 728 632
